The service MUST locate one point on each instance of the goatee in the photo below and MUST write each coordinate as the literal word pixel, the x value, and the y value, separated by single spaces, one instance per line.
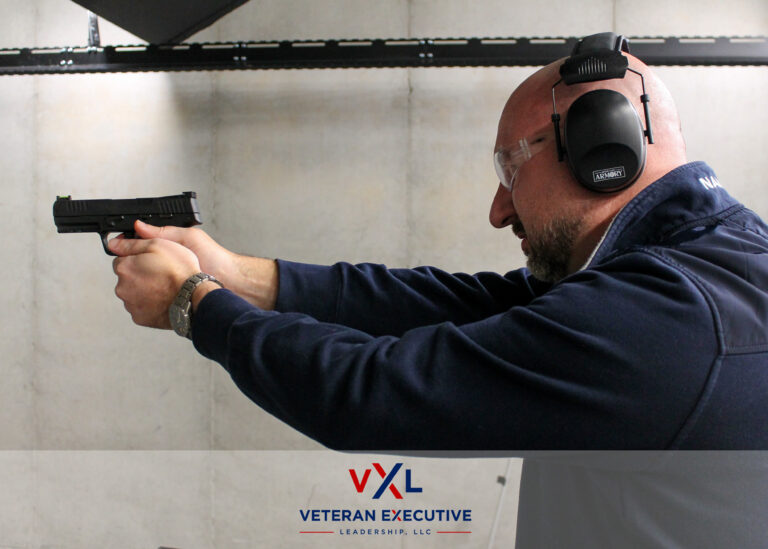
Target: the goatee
pixel 551 249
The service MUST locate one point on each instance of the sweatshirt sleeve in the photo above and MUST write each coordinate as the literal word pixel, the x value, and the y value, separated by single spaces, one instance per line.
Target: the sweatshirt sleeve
pixel 382 301
pixel 563 372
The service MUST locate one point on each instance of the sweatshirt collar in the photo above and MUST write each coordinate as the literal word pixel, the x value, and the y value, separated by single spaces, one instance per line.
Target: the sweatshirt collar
pixel 688 196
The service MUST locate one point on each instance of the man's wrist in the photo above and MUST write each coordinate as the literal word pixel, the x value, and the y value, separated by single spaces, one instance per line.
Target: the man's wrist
pixel 256 281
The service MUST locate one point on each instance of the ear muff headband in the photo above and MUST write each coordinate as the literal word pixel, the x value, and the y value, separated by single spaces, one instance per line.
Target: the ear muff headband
pixel 604 137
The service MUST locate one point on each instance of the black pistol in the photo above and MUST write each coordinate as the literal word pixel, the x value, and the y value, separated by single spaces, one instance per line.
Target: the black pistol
pixel 117 216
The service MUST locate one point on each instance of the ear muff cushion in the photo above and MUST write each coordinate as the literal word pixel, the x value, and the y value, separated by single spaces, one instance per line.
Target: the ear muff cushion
pixel 604 141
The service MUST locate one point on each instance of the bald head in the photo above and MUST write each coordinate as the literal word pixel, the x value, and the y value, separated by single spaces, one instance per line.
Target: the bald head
pixel 529 110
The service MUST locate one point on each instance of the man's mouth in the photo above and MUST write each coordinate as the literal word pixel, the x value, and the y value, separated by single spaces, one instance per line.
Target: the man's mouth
pixel 519 231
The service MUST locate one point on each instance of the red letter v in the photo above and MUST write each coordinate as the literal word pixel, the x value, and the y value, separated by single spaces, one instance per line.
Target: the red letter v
pixel 360 485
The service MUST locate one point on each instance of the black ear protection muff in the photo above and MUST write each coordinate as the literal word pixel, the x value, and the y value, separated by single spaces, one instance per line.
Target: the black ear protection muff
pixel 604 137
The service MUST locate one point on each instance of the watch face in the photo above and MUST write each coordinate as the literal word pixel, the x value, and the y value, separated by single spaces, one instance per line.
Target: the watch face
pixel 179 320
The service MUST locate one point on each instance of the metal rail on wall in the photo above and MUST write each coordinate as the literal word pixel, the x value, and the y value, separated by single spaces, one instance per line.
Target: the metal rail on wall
pixel 374 53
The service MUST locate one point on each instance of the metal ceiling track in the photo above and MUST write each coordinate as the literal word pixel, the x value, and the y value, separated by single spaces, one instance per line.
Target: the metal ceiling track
pixel 375 53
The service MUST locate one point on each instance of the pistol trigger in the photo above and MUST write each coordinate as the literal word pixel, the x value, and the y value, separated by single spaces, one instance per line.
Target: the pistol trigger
pixel 105 243
pixel 129 234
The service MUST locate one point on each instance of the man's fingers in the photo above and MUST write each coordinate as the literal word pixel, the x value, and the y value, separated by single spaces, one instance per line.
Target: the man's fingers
pixel 147 231
pixel 129 246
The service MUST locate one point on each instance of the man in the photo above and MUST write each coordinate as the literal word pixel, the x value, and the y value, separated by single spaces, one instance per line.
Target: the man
pixel 640 325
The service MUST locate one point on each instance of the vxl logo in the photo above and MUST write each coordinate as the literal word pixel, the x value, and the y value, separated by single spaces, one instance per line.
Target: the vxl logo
pixel 386 483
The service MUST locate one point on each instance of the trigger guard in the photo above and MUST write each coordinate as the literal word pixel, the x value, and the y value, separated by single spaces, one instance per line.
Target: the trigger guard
pixel 105 240
pixel 105 244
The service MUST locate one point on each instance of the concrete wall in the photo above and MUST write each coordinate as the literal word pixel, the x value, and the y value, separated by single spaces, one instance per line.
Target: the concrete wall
pixel 386 165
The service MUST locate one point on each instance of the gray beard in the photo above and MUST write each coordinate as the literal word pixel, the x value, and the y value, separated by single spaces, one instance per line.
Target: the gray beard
pixel 551 250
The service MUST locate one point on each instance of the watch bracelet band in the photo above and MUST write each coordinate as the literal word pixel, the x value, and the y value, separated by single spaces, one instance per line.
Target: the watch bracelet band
pixel 183 299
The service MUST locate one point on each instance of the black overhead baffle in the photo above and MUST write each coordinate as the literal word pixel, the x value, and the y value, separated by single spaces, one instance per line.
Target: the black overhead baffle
pixel 371 53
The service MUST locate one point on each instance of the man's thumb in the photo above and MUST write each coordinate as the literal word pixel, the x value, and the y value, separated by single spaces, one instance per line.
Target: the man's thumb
pixel 147 231
pixel 127 246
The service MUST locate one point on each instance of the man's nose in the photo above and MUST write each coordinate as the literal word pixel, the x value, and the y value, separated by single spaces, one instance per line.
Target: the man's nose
pixel 502 208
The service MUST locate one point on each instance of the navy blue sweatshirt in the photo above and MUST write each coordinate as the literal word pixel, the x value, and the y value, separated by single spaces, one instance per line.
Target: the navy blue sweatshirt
pixel 660 342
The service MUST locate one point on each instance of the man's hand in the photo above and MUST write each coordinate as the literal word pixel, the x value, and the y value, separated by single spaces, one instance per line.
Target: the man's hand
pixel 214 259
pixel 149 275
pixel 254 279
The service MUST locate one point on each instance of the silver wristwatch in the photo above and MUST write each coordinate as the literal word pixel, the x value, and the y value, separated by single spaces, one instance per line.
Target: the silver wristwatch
pixel 180 311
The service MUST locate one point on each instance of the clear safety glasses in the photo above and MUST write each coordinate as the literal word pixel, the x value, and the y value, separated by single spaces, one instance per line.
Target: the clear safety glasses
pixel 509 161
